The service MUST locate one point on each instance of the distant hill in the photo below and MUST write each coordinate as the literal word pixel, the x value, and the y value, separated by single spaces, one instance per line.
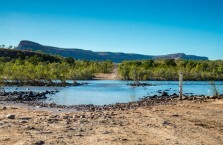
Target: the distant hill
pixel 10 54
pixel 181 56
pixel 90 55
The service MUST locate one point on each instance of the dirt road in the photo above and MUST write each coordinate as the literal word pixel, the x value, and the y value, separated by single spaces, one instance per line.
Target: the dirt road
pixel 108 76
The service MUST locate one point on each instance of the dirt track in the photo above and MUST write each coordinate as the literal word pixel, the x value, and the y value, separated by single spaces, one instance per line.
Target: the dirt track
pixel 108 76
pixel 185 123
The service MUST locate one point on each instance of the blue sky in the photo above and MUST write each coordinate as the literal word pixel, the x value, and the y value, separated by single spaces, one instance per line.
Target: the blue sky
pixel 151 27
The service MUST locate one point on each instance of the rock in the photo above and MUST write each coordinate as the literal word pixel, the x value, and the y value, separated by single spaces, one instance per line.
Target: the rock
pixel 25 118
pixel 164 94
pixel 54 116
pixel 106 132
pixel 159 91
pixel 174 94
pixel 76 116
pixel 123 139
pixel 50 105
pixel 40 142
pixel 175 115
pixel 4 108
pixel 29 127
pixel 53 120
pixel 78 134
pixel 213 97
pixel 166 123
pixel 65 117
pixel 81 130
pixel 10 116
pixel 1 123
pixel 82 116
pixel 14 108
pixel 23 121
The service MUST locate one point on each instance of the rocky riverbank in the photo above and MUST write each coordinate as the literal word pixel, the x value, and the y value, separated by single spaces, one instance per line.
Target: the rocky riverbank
pixel 184 122
pixel 24 96
pixel 144 102
pixel 41 83
pixel 138 84
pixel 37 99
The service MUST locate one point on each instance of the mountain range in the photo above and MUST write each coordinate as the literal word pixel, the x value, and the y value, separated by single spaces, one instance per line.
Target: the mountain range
pixel 91 55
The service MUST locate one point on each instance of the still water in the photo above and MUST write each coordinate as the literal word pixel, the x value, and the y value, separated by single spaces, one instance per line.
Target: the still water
pixel 101 92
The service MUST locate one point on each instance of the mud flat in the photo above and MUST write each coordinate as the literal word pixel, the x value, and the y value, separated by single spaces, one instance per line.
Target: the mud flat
pixel 191 121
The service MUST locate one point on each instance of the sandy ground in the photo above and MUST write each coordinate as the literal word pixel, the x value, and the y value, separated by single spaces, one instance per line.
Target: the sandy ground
pixel 185 123
pixel 108 76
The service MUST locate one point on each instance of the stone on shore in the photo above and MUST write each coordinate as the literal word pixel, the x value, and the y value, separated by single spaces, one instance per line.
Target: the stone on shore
pixel 40 142
pixel 10 116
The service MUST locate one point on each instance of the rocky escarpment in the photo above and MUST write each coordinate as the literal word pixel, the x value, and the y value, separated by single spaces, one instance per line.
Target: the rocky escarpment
pixel 90 55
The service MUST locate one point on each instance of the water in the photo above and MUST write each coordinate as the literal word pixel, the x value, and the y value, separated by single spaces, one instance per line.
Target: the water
pixel 101 92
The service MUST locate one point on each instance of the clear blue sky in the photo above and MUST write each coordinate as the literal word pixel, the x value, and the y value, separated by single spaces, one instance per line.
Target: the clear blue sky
pixel 152 27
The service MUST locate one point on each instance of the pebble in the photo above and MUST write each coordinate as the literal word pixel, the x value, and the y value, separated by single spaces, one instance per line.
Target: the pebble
pixel 81 130
pixel 1 123
pixel 175 115
pixel 123 139
pixel 65 117
pixel 29 127
pixel 164 94
pixel 4 108
pixel 39 142
pixel 25 118
pixel 10 116
pixel 166 123
pixel 106 132
pixel 23 121
pixel 78 134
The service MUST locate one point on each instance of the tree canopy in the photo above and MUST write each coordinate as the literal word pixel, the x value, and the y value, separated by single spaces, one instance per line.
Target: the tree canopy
pixel 168 69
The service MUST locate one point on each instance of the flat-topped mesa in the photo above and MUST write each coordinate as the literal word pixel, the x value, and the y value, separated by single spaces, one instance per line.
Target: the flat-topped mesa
pixel 172 56
pixel 29 45
pixel 64 52
pixel 90 55
pixel 181 56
